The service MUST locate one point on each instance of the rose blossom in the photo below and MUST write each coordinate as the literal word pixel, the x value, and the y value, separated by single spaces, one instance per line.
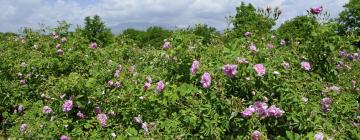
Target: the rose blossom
pixel 57 46
pixel 166 45
pixel 274 111
pixel 147 86
pixel 117 84
pixel 97 110
pixel 23 65
pixel 22 82
pixel 261 109
pixel 252 47
pixel 63 39
pixel 282 42
pixel 23 127
pixel 80 115
pixel 319 136
pixel 110 83
pixel 248 112
pixel 305 65
pixel 325 104
pixel 138 119
pixel 270 46
pixel 205 80
pixel 20 108
pixel 102 119
pixel 54 35
pixel 63 137
pixel 260 69
pixel 93 45
pixel 256 135
pixel 247 34
pixel 342 53
pixel 68 105
pixel 23 40
pixel 194 67
pixel 316 10
pixel 230 70
pixel 47 110
pixel 286 65
pixel 160 86
pixel 60 52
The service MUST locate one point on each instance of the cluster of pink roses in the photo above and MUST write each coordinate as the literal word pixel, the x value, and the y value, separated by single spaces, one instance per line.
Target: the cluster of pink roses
pixel 116 76
pixel 20 75
pixel 59 51
pixel 262 110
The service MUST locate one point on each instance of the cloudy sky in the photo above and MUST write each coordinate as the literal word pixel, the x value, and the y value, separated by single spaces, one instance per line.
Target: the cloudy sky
pixel 119 14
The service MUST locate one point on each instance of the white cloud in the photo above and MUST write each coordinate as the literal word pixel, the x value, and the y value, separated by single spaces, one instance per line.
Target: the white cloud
pixel 20 13
pixel 29 13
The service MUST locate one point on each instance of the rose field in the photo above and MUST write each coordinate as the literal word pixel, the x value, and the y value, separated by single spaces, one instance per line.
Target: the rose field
pixel 300 80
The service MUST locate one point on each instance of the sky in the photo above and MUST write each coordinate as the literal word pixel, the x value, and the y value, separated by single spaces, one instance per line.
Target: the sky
pixel 122 14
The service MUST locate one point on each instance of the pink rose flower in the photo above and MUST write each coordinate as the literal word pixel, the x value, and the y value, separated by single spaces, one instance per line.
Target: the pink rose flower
pixel 260 69
pixel 205 80
pixel 305 65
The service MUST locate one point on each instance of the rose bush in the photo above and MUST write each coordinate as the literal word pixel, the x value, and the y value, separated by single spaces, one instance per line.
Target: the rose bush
pixel 189 90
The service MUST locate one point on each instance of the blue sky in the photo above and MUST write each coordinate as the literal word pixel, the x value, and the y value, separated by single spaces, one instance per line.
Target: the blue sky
pixel 120 14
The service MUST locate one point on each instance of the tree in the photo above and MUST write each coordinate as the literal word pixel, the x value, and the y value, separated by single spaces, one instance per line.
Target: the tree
pixel 349 19
pixel 248 19
pixel 155 36
pixel 298 28
pixel 136 36
pixel 133 34
pixel 63 28
pixel 96 31
pixel 206 32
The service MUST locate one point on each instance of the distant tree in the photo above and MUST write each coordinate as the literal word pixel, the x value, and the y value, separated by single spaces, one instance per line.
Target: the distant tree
pixel 248 19
pixel 155 36
pixel 299 27
pixel 4 37
pixel 205 31
pixel 96 31
pixel 135 35
pixel 8 34
pixel 349 19
pixel 63 28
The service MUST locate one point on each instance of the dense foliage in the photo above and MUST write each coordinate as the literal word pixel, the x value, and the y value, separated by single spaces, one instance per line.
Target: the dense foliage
pixel 152 37
pixel 349 21
pixel 96 31
pixel 247 18
pixel 204 31
pixel 350 17
pixel 187 84
pixel 298 28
